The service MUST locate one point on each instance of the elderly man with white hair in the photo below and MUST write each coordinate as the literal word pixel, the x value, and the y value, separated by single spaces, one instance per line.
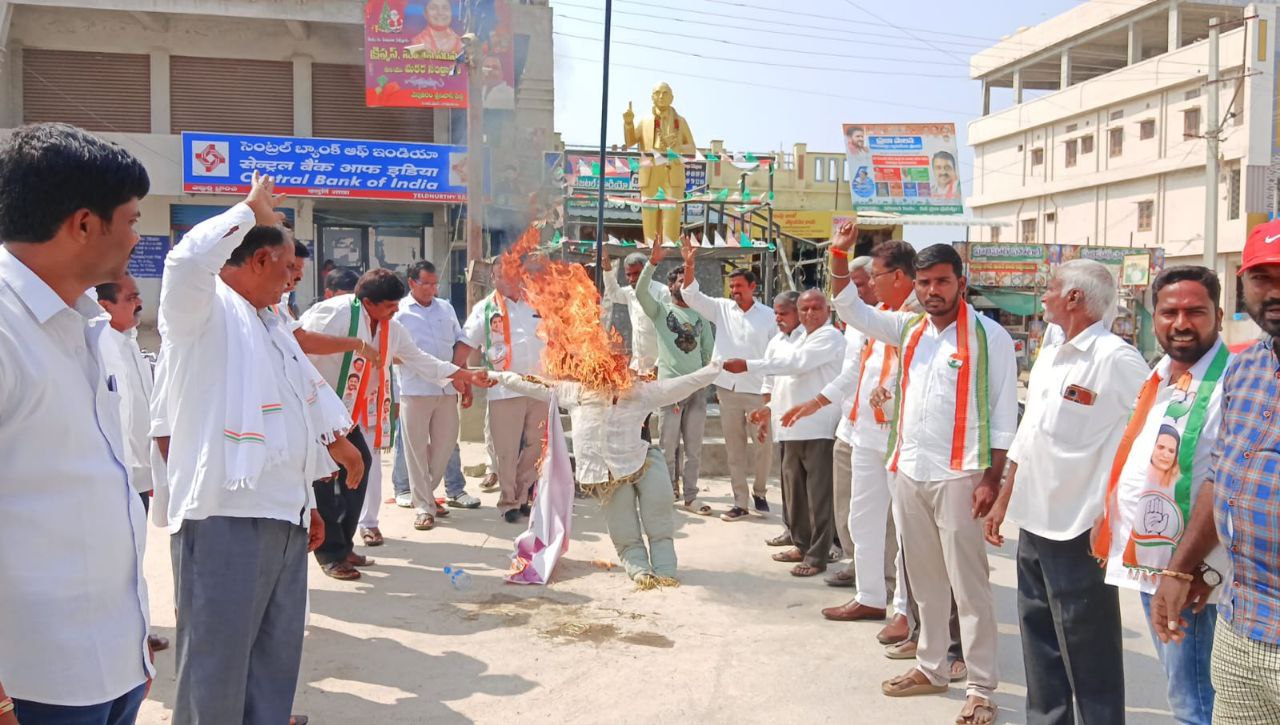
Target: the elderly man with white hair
pixel 644 337
pixel 1081 392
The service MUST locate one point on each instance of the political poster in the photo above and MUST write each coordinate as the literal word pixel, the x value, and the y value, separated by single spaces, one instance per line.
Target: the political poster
pixel 1006 265
pixel 904 168
pixel 217 163
pixel 412 50
pixel 581 175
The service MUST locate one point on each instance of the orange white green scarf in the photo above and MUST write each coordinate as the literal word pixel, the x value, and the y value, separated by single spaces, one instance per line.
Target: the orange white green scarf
pixel 886 370
pixel 372 412
pixel 972 395
pixel 1164 506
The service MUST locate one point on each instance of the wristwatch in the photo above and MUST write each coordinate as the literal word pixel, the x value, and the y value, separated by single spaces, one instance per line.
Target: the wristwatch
pixel 1211 576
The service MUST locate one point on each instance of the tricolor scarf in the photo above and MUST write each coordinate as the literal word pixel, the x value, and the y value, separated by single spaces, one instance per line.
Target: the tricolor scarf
pixel 1164 506
pixel 356 388
pixel 972 396
pixel 495 312
pixel 253 429
pixel 886 369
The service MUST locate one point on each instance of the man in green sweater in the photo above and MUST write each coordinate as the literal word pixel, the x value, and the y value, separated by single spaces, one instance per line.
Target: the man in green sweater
pixel 685 341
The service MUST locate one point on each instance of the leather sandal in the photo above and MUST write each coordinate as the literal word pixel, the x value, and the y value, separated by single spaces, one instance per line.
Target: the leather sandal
pixel 790 556
pixel 976 711
pixel 914 682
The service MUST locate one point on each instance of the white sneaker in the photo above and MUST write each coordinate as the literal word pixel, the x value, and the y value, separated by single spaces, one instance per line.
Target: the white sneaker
pixel 404 500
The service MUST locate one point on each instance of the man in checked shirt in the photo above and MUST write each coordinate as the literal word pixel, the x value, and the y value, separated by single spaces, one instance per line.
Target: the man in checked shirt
pixel 1244 505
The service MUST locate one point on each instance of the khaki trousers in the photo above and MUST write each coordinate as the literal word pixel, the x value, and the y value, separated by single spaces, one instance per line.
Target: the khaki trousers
pixel 842 485
pixel 430 427
pixel 511 421
pixel 946 554
pixel 739 435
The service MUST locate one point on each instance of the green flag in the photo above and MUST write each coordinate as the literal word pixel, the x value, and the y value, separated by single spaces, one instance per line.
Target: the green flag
pixel 672 155
pixel 751 158
pixel 713 157
pixel 595 169
pixel 744 240
pixel 634 164
pixel 722 195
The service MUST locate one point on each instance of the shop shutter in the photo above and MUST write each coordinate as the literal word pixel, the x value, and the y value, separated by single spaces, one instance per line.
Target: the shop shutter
pixel 338 109
pixel 231 95
pixel 99 91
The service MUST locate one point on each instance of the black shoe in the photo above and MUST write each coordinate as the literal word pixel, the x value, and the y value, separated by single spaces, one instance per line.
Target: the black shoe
pixel 512 516
pixel 525 510
pixel 761 505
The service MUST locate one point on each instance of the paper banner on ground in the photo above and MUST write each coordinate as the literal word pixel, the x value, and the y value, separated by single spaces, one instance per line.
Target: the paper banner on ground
pixel 538 549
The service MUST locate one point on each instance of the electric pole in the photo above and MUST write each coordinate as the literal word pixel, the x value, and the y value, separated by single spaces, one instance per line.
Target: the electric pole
pixel 475 158
pixel 1211 130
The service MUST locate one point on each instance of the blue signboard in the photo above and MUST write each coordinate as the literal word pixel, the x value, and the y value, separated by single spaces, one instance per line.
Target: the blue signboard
pixel 148 257
pixel 217 163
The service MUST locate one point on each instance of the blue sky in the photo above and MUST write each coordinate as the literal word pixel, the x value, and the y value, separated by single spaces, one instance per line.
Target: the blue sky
pixel 801 68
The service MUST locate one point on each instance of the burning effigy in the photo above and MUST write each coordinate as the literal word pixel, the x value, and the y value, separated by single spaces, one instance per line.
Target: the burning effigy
pixel 587 374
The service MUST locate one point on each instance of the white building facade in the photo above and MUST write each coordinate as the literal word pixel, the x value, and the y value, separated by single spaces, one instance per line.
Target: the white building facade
pixel 141 72
pixel 1103 143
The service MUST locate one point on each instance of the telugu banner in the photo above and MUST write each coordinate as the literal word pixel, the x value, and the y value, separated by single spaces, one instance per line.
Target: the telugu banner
pixel 216 163
pixel 412 48
pixel 904 168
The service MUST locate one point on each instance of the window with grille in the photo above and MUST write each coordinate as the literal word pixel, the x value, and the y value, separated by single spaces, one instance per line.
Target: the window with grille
pixel 1072 148
pixel 1146 211
pixel 995 234
pixel 1146 130
pixel 1028 231
pixel 1233 193
pixel 1037 156
pixel 1086 144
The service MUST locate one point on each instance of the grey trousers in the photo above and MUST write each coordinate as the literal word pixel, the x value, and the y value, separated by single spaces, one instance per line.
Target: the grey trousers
pixel 739 438
pixel 806 497
pixel 240 589
pixel 430 437
pixel 683 425
pixel 842 487
pixel 516 427
pixel 644 504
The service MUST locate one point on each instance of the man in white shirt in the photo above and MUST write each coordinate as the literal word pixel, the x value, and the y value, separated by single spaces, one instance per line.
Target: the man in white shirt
pixel 870 364
pixel 429 411
pixel 503 328
pixel 1079 396
pixel 787 318
pixel 123 361
pixel 73 531
pixel 365 387
pixel 744 327
pixel 644 337
pixel 799 373
pixel 1147 511
pixel 955 414
pixel 252 425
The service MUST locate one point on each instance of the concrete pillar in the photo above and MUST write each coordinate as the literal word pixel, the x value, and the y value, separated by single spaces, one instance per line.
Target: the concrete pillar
pixel 1135 44
pixel 13 68
pixel 440 125
pixel 160 104
pixel 1017 86
pixel 1064 67
pixel 1175 25
pixel 302 95
pixel 986 97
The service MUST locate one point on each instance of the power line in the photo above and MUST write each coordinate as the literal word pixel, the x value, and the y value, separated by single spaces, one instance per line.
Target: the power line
pixel 755 62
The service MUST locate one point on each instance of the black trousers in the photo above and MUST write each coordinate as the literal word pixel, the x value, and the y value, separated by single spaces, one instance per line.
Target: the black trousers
pixel 1070 621
pixel 340 506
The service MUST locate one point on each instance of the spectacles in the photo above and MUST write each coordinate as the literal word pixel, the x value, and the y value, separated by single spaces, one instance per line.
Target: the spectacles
pixel 881 274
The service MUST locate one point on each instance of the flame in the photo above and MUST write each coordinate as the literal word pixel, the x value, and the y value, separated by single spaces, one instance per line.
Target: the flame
pixel 578 346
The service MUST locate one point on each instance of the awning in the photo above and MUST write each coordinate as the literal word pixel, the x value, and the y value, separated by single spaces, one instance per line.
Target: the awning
pixel 1012 301
pixel 879 217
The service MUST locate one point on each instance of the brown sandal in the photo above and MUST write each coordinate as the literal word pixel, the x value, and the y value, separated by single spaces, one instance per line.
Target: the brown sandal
pixel 912 683
pixel 976 711
pixel 424 522
pixel 371 537
pixel 806 570
pixel 340 570
pixel 790 556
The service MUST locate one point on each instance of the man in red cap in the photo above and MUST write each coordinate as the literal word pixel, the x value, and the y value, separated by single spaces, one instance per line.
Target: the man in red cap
pixel 1243 505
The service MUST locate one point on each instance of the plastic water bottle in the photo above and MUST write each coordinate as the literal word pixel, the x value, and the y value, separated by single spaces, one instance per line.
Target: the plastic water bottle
pixel 459 578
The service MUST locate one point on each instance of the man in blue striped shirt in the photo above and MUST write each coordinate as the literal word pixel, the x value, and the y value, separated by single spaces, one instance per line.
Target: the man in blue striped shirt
pixel 1243 504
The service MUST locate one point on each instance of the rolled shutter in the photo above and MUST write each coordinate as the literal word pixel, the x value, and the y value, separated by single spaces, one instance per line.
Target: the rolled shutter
pixel 338 109
pixel 231 95
pixel 97 91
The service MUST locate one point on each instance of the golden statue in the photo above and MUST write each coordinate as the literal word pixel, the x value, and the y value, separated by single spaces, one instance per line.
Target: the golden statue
pixel 665 131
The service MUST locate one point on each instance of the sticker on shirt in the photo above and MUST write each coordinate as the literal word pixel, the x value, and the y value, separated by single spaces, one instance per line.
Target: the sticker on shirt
pixel 686 335
pixel 955 361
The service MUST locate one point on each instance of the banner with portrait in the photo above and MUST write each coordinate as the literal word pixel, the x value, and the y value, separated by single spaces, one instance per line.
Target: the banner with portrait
pixel 910 168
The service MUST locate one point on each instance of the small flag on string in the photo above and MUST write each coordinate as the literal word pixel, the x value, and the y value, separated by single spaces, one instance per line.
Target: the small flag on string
pixel 583 169
pixel 751 158
pixel 744 240
pixel 659 159
pixel 697 155
pixel 723 194
pixel 773 247
pixel 720 241
pixel 633 164
pixel 672 155
pixel 595 169
pixel 712 157
pixel 613 240
pixel 666 241
pixel 555 241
